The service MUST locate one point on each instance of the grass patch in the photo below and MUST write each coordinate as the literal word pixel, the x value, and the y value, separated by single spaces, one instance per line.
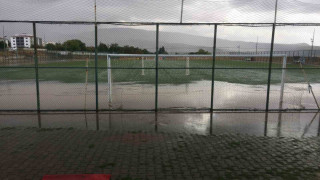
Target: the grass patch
pixel 91 146
pixel 166 76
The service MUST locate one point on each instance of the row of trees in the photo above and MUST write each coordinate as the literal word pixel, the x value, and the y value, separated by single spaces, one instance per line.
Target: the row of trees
pixel 115 48
pixel 77 45
pixel 200 51
pixel 70 45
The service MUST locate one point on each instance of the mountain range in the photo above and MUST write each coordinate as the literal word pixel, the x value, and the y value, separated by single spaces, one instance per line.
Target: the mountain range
pixel 173 42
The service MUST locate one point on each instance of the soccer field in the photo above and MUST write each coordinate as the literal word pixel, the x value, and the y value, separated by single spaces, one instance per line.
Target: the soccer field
pixel 75 72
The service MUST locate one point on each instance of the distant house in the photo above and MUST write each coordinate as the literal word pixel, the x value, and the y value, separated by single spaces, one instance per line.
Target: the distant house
pixel 23 41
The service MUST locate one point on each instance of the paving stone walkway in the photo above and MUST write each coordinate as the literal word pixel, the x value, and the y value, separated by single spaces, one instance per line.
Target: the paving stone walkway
pixel 32 153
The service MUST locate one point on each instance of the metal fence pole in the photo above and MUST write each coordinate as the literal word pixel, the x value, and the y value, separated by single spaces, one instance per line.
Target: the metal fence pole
pixel 270 65
pixel 96 64
pixel 157 66
pixel 36 66
pixel 213 64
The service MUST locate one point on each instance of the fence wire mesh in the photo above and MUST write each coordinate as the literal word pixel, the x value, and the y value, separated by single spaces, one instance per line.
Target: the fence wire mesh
pixel 220 11
pixel 119 67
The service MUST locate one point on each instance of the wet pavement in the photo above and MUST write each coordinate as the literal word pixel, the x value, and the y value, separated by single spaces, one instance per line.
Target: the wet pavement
pixel 32 153
pixel 258 124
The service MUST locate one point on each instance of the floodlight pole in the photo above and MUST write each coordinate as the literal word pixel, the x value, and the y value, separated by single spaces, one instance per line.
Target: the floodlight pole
pixel 312 40
pixel 213 64
pixel 35 44
pixel 157 67
pixel 271 56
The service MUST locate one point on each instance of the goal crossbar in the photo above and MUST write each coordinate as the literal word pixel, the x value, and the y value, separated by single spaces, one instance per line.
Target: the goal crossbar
pixel 195 55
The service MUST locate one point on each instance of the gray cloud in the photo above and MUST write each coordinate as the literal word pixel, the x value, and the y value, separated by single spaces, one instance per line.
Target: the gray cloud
pixel 156 10
pixel 254 11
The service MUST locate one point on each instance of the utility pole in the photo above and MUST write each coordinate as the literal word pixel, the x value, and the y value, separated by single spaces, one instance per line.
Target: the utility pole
pixel 181 10
pixel 312 40
pixel 3 39
pixel 257 45
pixel 4 43
pixel 239 48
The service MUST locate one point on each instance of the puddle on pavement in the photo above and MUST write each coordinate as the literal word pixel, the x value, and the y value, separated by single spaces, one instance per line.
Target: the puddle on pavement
pixel 290 124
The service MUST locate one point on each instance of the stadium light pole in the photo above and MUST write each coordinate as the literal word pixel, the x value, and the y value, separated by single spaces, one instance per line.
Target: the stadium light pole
pixel 312 40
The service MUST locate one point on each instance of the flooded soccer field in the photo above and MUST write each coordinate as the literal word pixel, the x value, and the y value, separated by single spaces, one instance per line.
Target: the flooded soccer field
pixel 70 96
pixel 62 87
pixel 21 95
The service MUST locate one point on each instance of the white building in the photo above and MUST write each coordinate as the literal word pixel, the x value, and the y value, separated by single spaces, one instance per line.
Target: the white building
pixel 23 41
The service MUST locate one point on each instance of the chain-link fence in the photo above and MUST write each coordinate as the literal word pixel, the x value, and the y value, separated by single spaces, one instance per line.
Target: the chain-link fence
pixel 76 66
pixel 142 55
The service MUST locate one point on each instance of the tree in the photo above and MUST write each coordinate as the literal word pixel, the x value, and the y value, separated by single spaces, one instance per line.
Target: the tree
pixel 74 45
pixel 50 46
pixel 115 48
pixel 200 51
pixel 103 47
pixel 59 47
pixel 145 51
pixel 162 50
pixel 90 49
pixel 3 43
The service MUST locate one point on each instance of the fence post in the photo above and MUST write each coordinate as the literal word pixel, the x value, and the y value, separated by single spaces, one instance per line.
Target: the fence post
pixel 157 66
pixel 213 64
pixel 270 65
pixel 96 64
pixel 36 66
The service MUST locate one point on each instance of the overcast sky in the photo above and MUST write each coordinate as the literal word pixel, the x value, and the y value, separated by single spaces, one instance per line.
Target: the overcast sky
pixel 237 11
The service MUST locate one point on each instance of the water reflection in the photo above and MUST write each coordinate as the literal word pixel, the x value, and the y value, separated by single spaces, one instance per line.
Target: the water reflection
pixel 259 124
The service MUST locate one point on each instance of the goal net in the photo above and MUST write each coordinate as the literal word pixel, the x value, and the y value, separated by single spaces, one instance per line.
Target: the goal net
pixel 239 71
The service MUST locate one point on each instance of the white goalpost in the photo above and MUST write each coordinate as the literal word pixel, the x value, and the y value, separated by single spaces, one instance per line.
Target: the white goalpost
pixel 187 66
pixel 283 77
pixel 109 74
pixel 187 58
